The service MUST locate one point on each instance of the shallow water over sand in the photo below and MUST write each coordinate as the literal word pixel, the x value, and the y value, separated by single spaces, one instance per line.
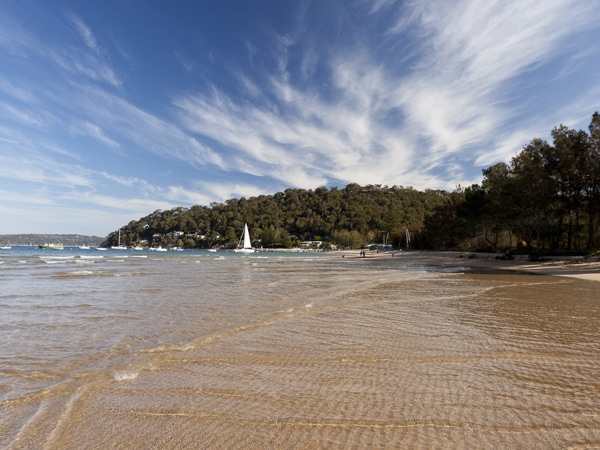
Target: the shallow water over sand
pixel 198 350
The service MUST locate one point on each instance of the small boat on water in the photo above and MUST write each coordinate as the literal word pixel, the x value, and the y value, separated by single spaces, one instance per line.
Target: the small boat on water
pixel 52 246
pixel 84 247
pixel 119 246
pixel 246 247
pixel 5 247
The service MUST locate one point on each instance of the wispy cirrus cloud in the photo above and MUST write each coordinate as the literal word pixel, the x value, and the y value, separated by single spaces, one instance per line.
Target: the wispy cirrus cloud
pixel 150 132
pixel 84 31
pixel 94 131
pixel 214 190
pixel 172 195
pixel 464 87
pixel 90 60
pixel 80 62
pixel 386 122
pixel 17 92
pixel 41 168
pixel 131 204
pixel 420 93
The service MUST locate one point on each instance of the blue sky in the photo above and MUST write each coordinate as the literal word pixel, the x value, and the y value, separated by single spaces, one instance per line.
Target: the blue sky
pixel 110 110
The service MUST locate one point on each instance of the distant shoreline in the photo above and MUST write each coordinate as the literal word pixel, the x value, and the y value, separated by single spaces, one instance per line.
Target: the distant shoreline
pixel 33 239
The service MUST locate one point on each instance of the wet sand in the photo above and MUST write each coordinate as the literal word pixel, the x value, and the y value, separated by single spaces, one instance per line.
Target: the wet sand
pixel 456 369
pixel 326 354
pixel 565 266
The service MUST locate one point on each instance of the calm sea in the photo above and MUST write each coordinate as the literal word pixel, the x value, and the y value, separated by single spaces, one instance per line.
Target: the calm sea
pixel 140 350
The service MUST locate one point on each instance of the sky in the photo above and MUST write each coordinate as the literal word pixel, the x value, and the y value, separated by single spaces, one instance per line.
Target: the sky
pixel 111 110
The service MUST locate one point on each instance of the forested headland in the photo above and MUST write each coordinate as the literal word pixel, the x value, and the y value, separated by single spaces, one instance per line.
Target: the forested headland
pixel 545 200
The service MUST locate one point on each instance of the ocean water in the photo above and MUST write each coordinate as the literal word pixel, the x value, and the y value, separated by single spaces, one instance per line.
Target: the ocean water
pixel 139 350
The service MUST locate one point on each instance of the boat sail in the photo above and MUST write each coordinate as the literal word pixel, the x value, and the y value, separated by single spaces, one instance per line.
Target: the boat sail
pixel 119 246
pixel 247 246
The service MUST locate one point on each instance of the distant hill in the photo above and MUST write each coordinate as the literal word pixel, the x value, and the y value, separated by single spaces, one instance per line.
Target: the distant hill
pixel 37 239
pixel 348 217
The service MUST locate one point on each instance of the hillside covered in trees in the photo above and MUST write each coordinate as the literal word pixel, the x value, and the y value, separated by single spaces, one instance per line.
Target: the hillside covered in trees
pixel 547 199
pixel 349 217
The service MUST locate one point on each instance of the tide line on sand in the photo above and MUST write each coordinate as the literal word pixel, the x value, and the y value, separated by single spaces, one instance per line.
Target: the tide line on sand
pixel 587 268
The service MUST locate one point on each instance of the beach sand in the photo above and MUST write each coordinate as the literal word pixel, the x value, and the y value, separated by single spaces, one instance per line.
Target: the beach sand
pixel 497 358
pixel 355 352
pixel 565 266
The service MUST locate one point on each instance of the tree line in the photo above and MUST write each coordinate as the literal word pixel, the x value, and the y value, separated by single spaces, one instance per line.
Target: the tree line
pixel 546 199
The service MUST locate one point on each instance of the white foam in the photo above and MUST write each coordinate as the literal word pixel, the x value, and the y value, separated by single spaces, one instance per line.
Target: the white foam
pixel 125 376
pixel 81 273
pixel 50 258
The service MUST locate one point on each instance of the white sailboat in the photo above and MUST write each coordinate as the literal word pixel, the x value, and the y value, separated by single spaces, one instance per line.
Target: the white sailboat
pixel 119 246
pixel 247 246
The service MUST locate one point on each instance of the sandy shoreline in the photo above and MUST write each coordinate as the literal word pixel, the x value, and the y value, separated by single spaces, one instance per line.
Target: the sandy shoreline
pixel 301 352
pixel 566 266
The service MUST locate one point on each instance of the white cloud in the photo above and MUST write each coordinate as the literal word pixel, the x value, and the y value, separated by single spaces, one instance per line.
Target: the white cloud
pixel 426 102
pixel 472 53
pixel 84 31
pixel 146 131
pixel 181 195
pixel 24 115
pixel 504 150
pixel 17 91
pixel 72 212
pixel 80 62
pixel 134 207
pixel 89 60
pixel 125 181
pixel 214 191
pixel 382 123
pixel 42 169
pixel 186 63
pixel 174 195
pixel 376 5
pixel 94 131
